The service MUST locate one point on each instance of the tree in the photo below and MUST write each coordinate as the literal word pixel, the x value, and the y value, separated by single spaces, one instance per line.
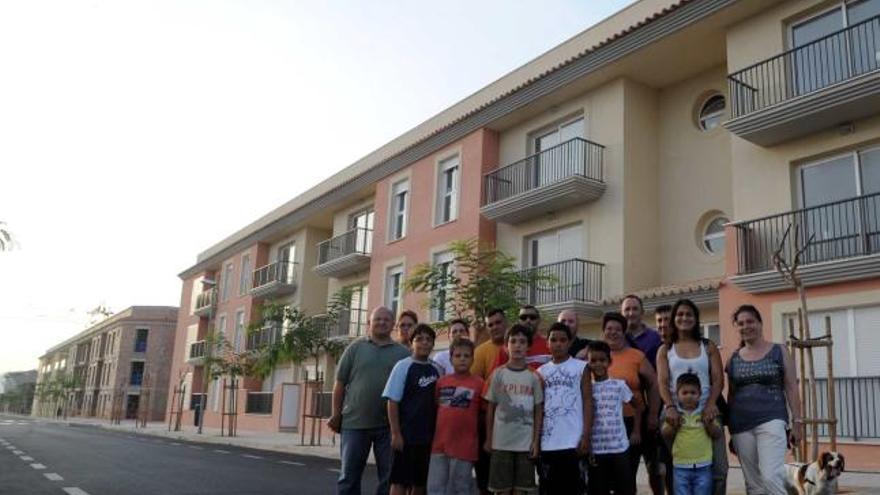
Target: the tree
pixel 7 243
pixel 306 336
pixel 482 278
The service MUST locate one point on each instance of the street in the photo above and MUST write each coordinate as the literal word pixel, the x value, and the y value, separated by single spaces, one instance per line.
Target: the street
pixel 50 458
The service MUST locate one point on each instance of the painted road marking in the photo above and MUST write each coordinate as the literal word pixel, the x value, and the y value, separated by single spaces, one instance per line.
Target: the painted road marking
pixel 221 451
pixel 38 466
pixel 17 452
pixel 292 463
pixel 334 470
pixel 53 476
pixel 196 447
pixel 72 490
pixel 174 443
pixel 27 458
pixel 249 456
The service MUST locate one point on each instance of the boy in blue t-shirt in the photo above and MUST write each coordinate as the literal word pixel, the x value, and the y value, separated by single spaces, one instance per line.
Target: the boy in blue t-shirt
pixel 412 413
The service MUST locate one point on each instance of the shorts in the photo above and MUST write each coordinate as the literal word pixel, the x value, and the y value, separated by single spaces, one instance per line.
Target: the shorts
pixel 409 467
pixel 611 472
pixel 560 472
pixel 511 471
pixel 450 476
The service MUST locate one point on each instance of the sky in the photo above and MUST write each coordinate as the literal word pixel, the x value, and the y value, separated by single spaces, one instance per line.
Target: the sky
pixel 134 135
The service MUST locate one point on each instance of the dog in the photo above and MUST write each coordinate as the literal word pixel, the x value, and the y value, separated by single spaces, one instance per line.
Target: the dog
pixel 816 478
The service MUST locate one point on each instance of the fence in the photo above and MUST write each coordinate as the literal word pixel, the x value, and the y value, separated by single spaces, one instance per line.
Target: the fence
pixel 281 272
pixel 575 157
pixel 857 401
pixel 357 240
pixel 570 280
pixel 816 65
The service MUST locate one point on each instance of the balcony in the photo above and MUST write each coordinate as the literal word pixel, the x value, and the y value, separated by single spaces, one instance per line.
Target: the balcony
pixel 572 284
pixel 197 352
pixel 264 337
pixel 845 245
pixel 205 303
pixel 275 279
pixel 259 403
pixel 831 81
pixel 345 254
pixel 565 175
pixel 351 324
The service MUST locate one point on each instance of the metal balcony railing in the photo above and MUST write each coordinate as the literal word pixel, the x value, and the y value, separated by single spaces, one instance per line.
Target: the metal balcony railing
pixel 563 281
pixel 841 229
pixel 205 300
pixel 266 336
pixel 826 61
pixel 259 403
pixel 358 240
pixel 279 272
pixel 197 349
pixel 351 323
pixel 575 157
pixel 857 404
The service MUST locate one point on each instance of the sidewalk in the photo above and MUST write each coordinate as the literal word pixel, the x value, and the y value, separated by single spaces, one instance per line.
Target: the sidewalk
pixel 851 482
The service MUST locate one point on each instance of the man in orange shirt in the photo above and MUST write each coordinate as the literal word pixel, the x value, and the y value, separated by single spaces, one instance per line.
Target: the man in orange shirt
pixel 539 352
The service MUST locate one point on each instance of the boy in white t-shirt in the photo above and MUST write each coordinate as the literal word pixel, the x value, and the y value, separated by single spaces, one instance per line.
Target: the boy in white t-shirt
pixel 610 467
pixel 568 416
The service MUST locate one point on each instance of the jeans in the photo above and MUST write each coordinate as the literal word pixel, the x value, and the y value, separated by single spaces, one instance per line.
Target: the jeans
pixel 761 453
pixel 355 449
pixel 696 481
pixel 450 476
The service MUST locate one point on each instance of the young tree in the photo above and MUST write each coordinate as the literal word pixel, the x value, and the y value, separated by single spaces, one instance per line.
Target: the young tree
pixel 481 278
pixel 6 241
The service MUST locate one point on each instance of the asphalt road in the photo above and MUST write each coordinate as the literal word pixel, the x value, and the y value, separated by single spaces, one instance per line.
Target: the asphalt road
pixel 51 458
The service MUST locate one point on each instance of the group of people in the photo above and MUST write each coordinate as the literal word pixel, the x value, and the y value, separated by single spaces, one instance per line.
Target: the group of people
pixel 579 414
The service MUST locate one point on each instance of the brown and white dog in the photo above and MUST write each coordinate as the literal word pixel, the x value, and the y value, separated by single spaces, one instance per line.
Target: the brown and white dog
pixel 816 478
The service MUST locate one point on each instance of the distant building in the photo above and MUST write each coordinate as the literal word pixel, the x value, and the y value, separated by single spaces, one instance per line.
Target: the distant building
pixel 17 391
pixel 121 361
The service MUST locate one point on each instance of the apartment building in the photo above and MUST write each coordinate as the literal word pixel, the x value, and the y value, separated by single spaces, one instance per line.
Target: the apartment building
pixel 110 367
pixel 662 152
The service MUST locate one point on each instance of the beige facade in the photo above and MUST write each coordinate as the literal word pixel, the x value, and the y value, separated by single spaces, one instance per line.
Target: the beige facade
pixel 118 366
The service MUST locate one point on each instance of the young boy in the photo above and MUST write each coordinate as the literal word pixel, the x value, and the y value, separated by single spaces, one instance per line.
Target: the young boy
pixel 568 416
pixel 455 448
pixel 610 467
pixel 411 413
pixel 513 418
pixel 691 440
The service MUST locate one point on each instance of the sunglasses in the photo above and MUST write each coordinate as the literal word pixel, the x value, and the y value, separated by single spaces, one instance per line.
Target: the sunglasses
pixel 528 317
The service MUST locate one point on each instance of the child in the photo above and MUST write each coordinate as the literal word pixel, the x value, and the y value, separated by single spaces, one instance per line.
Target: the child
pixel 691 440
pixel 610 467
pixel 411 412
pixel 513 418
pixel 455 448
pixel 568 416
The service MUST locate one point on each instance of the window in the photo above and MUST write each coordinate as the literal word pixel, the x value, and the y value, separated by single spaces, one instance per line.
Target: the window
pixel 221 325
pixel 447 190
pixel 399 205
pixel 713 236
pixel 818 63
pixel 444 262
pixel 140 341
pixel 393 288
pixel 712 331
pixel 554 246
pixel 363 221
pixel 227 281
pixel 853 330
pixel 238 337
pixel 711 112
pixel 137 373
pixel 356 321
pixel 244 282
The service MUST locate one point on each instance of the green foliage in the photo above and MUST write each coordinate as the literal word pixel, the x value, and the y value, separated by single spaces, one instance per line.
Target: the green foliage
pixel 6 241
pixel 305 337
pixel 483 278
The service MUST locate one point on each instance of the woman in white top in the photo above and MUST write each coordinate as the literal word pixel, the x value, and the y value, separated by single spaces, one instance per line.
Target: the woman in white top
pixel 690 353
pixel 458 329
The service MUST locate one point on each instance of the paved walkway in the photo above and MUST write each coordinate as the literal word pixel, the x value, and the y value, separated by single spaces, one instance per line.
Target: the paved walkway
pixel 851 482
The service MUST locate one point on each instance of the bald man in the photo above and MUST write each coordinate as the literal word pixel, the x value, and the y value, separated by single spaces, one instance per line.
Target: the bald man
pixel 570 319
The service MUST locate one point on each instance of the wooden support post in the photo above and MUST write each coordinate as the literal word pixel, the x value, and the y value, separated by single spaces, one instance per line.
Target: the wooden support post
pixel 832 404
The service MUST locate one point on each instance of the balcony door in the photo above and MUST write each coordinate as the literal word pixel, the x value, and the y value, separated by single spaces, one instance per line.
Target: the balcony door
pixel 553 162
pixel 286 254
pixel 840 225
pixel 363 238
pixel 549 254
pixel 358 316
pixel 824 54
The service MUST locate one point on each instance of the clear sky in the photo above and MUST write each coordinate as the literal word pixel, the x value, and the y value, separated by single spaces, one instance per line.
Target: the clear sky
pixel 134 135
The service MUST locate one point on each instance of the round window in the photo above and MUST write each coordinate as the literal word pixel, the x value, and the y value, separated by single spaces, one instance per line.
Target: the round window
pixel 713 236
pixel 711 112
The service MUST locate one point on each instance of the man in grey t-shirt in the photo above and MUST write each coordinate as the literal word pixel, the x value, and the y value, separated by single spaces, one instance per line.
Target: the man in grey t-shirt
pixel 359 413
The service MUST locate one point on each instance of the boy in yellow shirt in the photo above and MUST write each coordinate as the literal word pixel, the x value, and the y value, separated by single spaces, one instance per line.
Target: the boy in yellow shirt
pixel 691 440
